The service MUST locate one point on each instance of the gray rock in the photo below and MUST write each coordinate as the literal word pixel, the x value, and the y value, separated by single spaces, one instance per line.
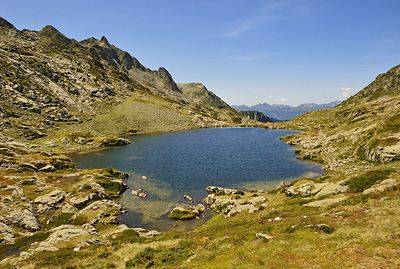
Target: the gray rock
pixel 67 208
pixel 384 185
pixel 152 233
pixel 7 238
pixel 48 201
pixel 4 228
pixel 99 194
pixel 135 193
pixel 25 218
pixel 47 168
pixel 318 189
pixel 326 202
pixel 264 236
pixel 29 166
pixel 220 191
pixel 58 234
pixel 333 189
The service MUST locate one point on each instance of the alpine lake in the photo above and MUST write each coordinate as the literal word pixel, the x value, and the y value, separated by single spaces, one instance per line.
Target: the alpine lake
pixel 185 163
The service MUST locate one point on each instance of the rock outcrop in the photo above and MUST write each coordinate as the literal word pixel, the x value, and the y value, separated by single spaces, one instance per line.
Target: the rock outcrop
pixel 317 189
pixel 191 212
pixel 49 201
pixel 230 201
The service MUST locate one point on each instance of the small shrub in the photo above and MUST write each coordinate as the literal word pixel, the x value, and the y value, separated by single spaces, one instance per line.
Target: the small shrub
pixel 104 254
pixel 111 172
pixel 361 183
pixel 324 228
pixel 111 187
pixel 57 258
pixel 144 257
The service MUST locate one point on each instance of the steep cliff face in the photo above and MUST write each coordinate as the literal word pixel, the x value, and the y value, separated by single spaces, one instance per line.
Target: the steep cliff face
pixel 255 115
pixel 50 83
pixel 364 127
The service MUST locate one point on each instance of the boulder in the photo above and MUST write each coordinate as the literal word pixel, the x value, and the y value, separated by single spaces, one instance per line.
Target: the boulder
pixel 187 197
pixel 333 188
pixel 317 189
pixel 48 201
pixel 142 195
pixel 61 233
pixel 47 168
pixel 29 166
pixel 326 202
pixel 264 236
pixel 231 210
pixel 220 191
pixel 114 142
pixel 24 218
pixel 17 191
pixel 4 228
pixel 97 193
pixel 380 187
pixel 7 238
pixel 135 192
pixel 67 208
pixel 191 212
pixel 230 205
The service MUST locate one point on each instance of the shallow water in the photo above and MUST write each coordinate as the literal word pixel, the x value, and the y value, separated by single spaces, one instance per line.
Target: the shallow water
pixel 187 162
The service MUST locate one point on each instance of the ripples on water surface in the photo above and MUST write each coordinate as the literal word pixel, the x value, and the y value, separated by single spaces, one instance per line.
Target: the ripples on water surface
pixel 187 162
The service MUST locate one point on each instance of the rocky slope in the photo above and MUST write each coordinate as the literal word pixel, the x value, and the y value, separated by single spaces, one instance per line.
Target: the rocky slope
pixel 363 128
pixel 255 115
pixel 52 86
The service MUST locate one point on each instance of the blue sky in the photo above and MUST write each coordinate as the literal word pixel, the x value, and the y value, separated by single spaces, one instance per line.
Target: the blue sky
pixel 247 52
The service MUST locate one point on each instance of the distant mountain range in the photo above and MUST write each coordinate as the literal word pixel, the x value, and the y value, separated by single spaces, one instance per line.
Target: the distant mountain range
pixel 284 112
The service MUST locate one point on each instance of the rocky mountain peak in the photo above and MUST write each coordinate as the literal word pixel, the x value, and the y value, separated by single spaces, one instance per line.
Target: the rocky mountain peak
pixel 104 42
pixel 4 23
pixel 163 73
pixel 52 32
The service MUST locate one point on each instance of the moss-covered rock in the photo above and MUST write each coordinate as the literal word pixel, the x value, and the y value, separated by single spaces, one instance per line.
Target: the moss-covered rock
pixel 191 212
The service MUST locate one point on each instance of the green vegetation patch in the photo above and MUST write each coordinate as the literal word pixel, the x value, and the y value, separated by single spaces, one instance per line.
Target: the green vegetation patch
pixel 163 256
pixel 111 187
pixel 22 242
pixel 57 258
pixel 363 182
pixel 111 172
pixel 392 125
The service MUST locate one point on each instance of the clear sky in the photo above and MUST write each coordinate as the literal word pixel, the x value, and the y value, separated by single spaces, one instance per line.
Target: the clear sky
pixel 247 52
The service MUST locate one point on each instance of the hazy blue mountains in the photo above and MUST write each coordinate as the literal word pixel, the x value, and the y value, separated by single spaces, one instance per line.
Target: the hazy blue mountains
pixel 284 112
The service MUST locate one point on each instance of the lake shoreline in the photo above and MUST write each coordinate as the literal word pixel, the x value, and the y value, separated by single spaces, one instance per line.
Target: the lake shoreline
pixel 272 183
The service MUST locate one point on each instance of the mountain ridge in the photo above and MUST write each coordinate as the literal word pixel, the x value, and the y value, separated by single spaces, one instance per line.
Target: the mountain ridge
pixel 50 81
pixel 285 112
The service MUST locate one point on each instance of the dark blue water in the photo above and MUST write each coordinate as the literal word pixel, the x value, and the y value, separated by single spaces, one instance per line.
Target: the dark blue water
pixel 187 162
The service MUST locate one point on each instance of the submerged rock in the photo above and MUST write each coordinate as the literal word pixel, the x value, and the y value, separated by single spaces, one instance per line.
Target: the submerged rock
pixel 187 197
